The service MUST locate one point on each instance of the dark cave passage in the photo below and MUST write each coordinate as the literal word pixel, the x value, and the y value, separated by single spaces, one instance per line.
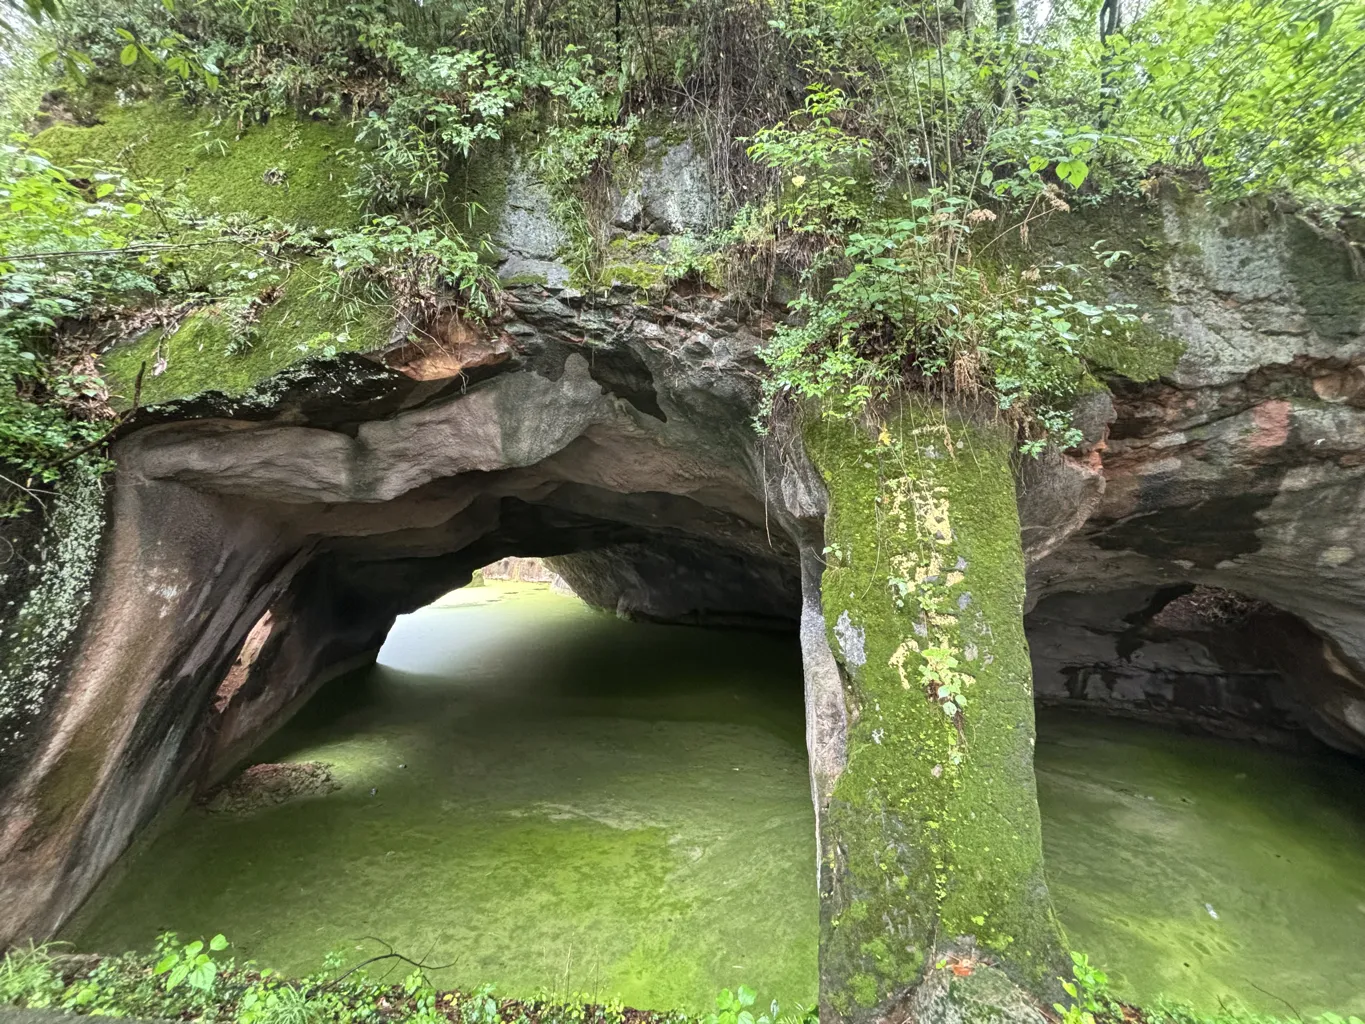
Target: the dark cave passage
pixel 1195 657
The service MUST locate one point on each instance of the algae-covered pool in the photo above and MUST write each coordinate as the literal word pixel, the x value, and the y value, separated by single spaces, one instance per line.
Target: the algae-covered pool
pixel 563 801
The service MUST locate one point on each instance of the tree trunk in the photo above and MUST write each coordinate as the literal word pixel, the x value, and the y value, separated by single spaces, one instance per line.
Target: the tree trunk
pixel 933 901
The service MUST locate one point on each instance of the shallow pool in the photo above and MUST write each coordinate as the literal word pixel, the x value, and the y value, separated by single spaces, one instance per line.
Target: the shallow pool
pixel 551 799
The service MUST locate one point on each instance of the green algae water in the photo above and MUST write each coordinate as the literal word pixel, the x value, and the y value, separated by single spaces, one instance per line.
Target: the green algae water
pixel 561 801
pixel 567 802
pixel 1215 873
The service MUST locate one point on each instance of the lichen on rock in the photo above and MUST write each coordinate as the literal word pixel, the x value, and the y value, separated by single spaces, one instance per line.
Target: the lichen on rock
pixel 51 595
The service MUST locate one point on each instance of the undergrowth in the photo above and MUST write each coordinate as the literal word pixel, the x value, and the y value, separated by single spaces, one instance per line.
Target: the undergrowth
pixel 882 164
pixel 1091 1002
pixel 201 981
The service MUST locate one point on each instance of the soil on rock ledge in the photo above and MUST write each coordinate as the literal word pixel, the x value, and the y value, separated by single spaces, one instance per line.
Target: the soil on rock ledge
pixel 265 785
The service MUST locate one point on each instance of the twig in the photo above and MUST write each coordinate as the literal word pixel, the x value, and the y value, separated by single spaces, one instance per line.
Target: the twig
pixel 27 490
pixel 1292 1008
pixel 390 955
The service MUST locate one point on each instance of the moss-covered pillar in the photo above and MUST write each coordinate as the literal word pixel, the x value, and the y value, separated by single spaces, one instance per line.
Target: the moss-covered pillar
pixel 933 901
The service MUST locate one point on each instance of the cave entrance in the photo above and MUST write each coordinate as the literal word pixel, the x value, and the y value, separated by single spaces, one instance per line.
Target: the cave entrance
pixel 1203 809
pixel 544 794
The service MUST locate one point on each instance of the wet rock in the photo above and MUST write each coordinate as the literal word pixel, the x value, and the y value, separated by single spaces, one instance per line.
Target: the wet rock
pixel 675 191
pixel 972 993
pixel 528 227
pixel 267 785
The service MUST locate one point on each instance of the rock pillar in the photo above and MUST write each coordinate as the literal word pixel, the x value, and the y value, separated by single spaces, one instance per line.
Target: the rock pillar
pixel 933 902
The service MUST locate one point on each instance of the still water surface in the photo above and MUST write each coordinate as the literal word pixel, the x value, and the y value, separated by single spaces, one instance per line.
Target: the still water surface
pixel 563 801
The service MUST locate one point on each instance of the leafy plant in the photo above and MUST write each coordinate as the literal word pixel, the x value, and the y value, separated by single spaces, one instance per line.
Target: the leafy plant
pixel 916 308
pixel 1265 96
pixel 190 964
pixel 1089 992
pixel 734 1007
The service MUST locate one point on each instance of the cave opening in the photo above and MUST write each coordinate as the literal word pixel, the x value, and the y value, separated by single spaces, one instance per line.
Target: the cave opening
pixel 533 791
pixel 1202 795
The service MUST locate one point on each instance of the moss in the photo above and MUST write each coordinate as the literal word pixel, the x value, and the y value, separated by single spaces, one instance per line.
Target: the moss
pixel 290 169
pixel 200 353
pixel 525 281
pixel 1078 239
pixel 642 261
pixel 1142 354
pixel 478 188
pixel 935 817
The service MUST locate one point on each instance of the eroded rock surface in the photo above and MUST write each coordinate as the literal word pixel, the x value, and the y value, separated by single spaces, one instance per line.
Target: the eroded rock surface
pixel 258 546
pixel 267 785
pixel 1241 468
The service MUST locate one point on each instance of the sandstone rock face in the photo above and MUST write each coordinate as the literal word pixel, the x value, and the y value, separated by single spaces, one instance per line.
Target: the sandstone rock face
pixel 1242 470
pixel 520 570
pixel 1198 657
pixel 256 548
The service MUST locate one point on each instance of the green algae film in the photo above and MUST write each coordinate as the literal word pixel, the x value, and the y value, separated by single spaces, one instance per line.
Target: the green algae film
pixel 587 806
pixel 623 809
pixel 1210 872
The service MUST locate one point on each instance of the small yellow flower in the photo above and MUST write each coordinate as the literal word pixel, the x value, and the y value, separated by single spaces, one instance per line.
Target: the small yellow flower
pixel 798 180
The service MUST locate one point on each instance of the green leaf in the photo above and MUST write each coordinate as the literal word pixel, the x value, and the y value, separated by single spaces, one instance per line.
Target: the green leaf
pixel 128 55
pixel 746 996
pixel 218 942
pixel 103 190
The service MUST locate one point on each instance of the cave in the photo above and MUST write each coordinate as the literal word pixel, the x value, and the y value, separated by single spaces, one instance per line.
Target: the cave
pixel 522 790
pixel 1186 564
pixel 1193 657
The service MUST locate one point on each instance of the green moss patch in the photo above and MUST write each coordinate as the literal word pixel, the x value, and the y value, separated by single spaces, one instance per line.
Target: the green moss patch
pixel 1143 354
pixel 935 818
pixel 643 262
pixel 290 169
pixel 201 355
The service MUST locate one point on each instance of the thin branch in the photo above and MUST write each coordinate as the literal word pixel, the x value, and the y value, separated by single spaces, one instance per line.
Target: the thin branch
pixel 390 955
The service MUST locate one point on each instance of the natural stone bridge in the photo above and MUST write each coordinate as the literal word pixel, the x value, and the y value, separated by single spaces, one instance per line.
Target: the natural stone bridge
pixel 254 547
